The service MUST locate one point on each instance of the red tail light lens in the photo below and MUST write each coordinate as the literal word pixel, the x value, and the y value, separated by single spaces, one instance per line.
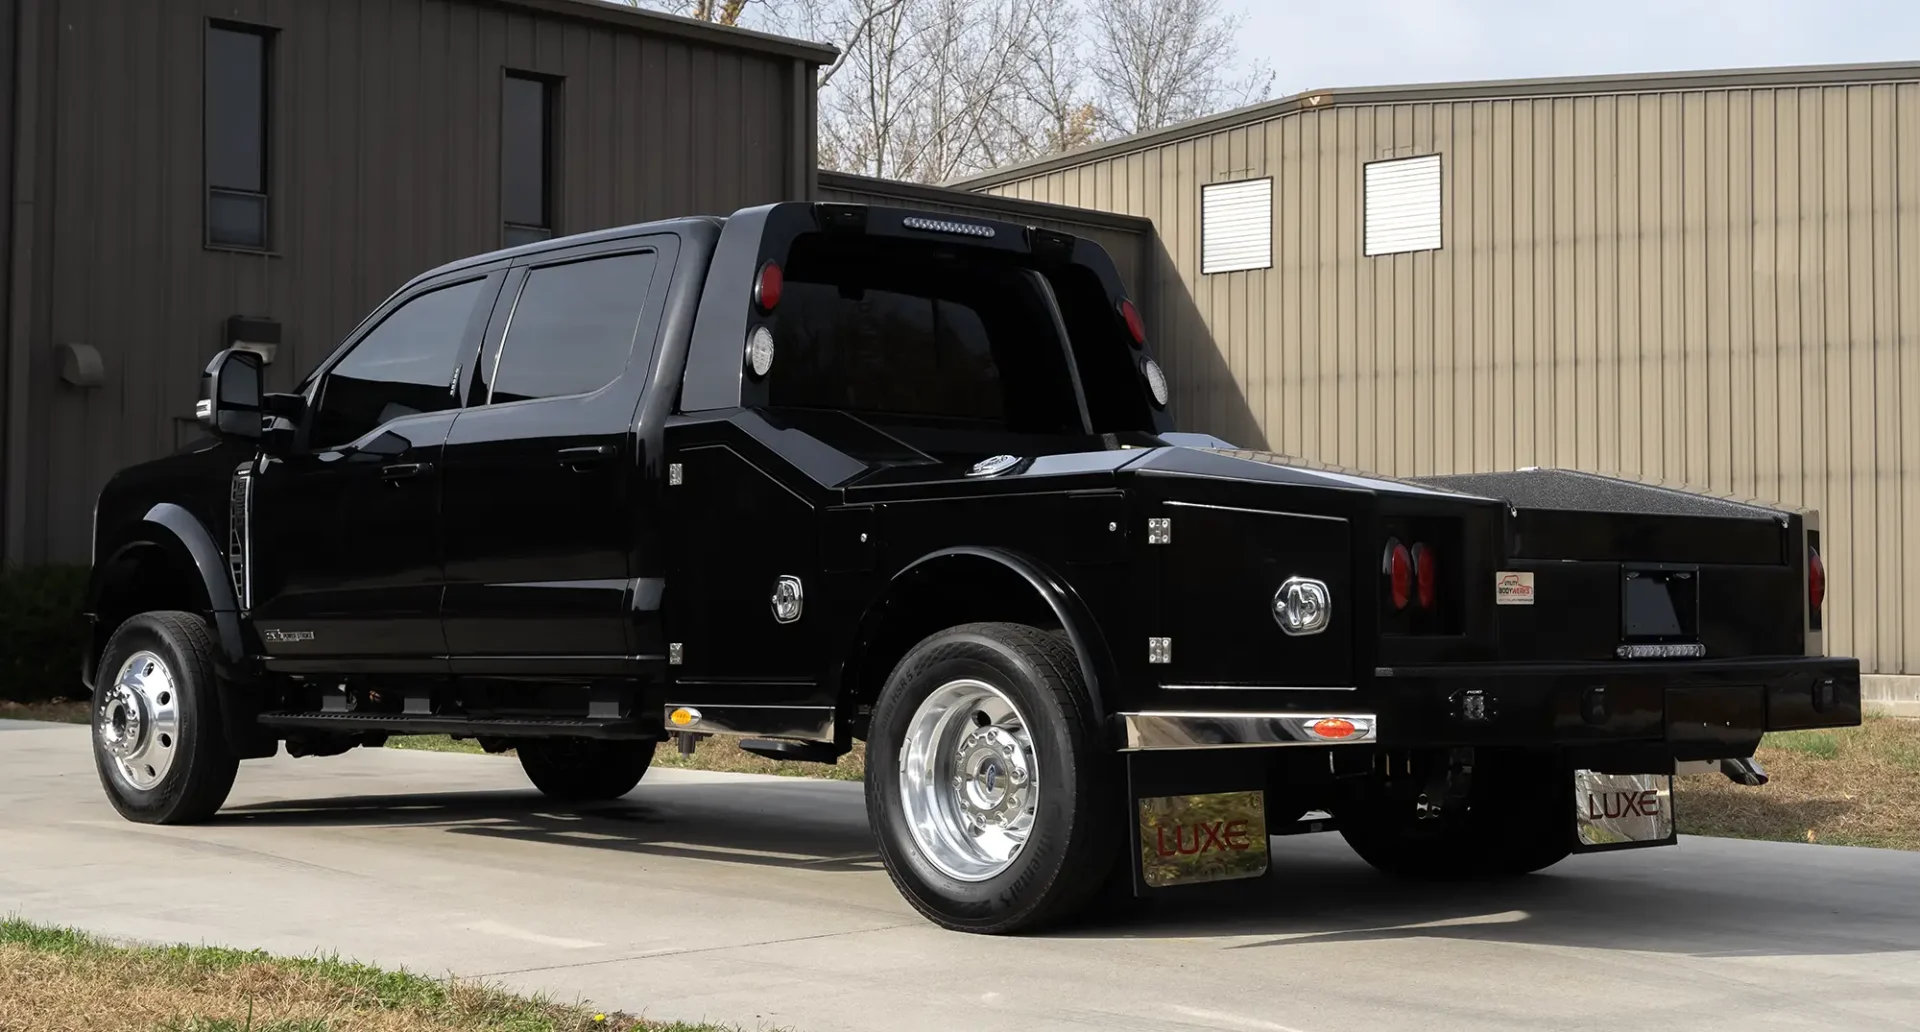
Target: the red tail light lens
pixel 1397 567
pixel 1816 579
pixel 1425 576
pixel 767 286
pixel 1136 326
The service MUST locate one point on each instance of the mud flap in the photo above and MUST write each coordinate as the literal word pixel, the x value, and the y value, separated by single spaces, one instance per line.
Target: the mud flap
pixel 1622 811
pixel 1195 817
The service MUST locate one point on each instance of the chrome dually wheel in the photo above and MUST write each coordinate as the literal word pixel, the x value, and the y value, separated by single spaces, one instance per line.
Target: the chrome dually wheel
pixel 969 780
pixel 138 722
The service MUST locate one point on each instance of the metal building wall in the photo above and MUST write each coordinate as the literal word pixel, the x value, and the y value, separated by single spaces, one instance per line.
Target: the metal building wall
pixel 385 161
pixel 1129 240
pixel 1706 283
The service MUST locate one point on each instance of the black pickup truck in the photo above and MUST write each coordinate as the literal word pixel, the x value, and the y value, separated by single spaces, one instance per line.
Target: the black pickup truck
pixel 818 473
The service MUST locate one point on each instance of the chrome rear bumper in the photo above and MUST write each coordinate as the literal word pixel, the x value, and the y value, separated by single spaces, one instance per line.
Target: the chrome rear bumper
pixel 1182 730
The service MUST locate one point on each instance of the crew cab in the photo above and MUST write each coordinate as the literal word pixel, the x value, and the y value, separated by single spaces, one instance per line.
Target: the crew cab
pixel 819 473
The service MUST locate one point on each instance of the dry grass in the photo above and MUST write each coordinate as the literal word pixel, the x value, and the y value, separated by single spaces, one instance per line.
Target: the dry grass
pixel 722 753
pixel 1857 786
pixel 55 980
pixel 65 711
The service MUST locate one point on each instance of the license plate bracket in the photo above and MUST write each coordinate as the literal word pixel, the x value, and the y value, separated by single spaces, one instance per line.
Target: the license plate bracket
pixel 1195 839
pixel 1622 811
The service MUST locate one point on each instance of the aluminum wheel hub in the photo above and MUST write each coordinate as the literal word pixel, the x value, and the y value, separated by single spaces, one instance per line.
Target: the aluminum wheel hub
pixel 138 722
pixel 969 780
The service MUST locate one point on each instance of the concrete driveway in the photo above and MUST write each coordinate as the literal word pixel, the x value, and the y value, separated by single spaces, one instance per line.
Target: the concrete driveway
pixel 759 901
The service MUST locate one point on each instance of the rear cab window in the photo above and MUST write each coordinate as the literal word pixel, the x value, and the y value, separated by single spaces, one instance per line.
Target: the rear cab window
pixel 954 349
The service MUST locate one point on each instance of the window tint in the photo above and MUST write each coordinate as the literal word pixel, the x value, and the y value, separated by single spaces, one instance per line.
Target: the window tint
pixel 572 329
pixel 872 327
pixel 236 136
pixel 408 364
pixel 526 159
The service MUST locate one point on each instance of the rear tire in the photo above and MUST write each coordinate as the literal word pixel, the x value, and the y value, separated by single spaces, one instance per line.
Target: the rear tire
pixel 158 743
pixel 987 784
pixel 1517 820
pixel 579 770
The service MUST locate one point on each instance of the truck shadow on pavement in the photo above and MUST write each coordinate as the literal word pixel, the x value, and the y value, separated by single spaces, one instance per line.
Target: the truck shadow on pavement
pixel 1708 898
pixel 769 825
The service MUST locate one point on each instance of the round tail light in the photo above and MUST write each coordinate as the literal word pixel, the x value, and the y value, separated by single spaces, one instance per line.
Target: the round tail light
pixel 1136 326
pixel 1397 567
pixel 767 286
pixel 1816 579
pixel 1425 576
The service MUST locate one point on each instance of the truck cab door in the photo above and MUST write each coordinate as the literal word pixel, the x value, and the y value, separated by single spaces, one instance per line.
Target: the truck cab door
pixel 343 532
pixel 544 500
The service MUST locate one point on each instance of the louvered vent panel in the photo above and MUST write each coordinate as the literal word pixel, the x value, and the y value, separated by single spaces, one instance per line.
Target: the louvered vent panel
pixel 240 535
pixel 1236 226
pixel 1403 205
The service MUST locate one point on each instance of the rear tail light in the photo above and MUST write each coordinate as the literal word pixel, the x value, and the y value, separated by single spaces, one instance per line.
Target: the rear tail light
pixel 767 286
pixel 1136 326
pixel 1397 567
pixel 1816 580
pixel 1425 576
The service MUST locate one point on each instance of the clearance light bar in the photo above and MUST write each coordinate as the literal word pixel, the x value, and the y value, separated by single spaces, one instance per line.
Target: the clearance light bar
pixel 1687 651
pixel 971 229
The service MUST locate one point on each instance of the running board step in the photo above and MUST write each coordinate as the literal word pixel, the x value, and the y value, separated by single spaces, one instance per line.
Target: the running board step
pixel 468 727
pixel 808 752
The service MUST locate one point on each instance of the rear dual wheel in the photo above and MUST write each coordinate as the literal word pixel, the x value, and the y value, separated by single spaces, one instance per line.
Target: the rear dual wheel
pixel 986 780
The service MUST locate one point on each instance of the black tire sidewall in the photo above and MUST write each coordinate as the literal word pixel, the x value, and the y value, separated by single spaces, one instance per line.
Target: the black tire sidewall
pixel 1010 898
pixel 198 734
pixel 596 770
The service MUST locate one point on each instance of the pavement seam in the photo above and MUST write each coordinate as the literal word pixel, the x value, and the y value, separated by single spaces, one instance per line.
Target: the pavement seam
pixel 686 952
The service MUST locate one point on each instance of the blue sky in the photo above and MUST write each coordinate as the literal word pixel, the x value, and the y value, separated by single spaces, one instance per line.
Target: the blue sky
pixel 1315 44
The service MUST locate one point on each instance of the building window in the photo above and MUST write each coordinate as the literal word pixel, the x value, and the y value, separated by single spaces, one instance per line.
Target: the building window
pixel 526 158
pixel 1403 205
pixel 237 137
pixel 1236 226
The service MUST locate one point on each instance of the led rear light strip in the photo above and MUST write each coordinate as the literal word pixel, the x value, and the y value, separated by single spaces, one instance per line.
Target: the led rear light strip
pixel 942 226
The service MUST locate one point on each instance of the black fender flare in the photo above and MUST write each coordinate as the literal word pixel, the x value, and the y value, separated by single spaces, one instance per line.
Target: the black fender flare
pixel 190 536
pixel 1076 620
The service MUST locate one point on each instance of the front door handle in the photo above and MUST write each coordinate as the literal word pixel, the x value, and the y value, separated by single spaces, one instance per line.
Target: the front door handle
pixel 405 470
pixel 588 455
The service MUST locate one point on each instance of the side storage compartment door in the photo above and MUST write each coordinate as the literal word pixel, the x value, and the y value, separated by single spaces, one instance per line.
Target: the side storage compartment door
pixel 743 596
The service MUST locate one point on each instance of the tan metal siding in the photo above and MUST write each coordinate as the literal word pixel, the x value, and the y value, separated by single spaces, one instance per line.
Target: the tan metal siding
pixel 1712 287
pixel 384 162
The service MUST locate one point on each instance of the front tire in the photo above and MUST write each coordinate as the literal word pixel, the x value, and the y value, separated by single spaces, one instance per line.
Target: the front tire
pixel 1517 820
pixel 985 783
pixel 158 743
pixel 581 770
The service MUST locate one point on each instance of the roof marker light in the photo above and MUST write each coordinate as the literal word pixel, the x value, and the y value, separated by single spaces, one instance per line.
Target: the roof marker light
pixel 972 229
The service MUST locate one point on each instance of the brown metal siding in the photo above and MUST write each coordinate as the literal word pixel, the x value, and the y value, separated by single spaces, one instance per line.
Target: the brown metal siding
pixel 1128 240
pixel 1716 288
pixel 385 161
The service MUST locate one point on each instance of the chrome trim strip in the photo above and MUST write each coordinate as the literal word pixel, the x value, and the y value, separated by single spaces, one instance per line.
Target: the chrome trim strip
pixel 800 723
pixel 1259 688
pixel 1167 730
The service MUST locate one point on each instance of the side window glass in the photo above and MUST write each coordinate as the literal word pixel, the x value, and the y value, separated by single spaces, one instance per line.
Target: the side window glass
pixel 572 329
pixel 406 365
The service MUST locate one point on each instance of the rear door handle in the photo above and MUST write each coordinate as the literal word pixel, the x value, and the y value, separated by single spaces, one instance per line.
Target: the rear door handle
pixel 404 470
pixel 588 455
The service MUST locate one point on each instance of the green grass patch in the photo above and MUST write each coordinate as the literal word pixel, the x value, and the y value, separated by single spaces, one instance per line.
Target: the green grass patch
pixel 61 980
pixel 1820 744
pixel 1850 786
pixel 434 743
